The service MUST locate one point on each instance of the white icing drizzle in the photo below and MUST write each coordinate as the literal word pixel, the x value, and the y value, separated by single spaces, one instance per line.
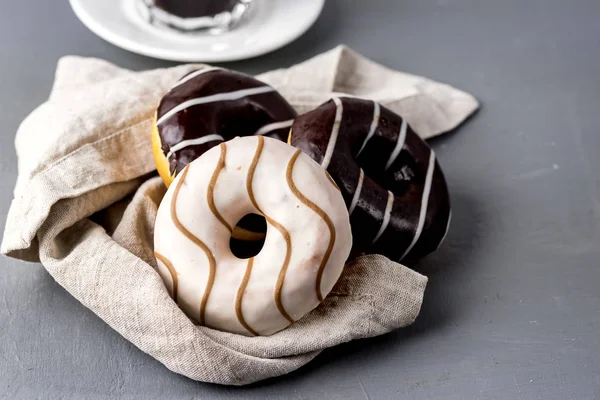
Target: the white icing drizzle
pixel 356 196
pixel 424 201
pixel 447 229
pixel 237 94
pixel 274 126
pixel 193 142
pixel 386 216
pixel 195 74
pixel 374 123
pixel 399 145
pixel 334 132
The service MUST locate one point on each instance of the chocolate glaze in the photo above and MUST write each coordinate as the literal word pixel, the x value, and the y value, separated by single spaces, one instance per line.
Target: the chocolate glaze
pixel 227 118
pixel 195 8
pixel 405 177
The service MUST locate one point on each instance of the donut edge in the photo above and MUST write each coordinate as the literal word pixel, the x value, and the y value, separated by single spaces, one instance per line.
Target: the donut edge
pixel 161 161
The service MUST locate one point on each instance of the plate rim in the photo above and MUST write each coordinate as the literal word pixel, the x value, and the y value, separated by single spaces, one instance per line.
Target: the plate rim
pixel 127 44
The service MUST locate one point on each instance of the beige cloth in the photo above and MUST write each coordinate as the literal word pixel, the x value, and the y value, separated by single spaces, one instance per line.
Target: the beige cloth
pixel 85 202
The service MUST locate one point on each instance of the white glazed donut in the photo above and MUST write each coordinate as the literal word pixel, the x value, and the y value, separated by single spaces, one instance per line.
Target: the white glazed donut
pixel 308 236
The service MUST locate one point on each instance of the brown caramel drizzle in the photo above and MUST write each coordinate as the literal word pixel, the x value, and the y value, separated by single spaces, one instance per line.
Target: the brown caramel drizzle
pixel 332 181
pixel 277 225
pixel 172 271
pixel 321 213
pixel 211 258
pixel 240 296
pixel 210 193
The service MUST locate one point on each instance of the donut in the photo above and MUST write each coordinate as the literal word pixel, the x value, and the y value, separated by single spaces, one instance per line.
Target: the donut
pixel 307 243
pixel 392 184
pixel 209 106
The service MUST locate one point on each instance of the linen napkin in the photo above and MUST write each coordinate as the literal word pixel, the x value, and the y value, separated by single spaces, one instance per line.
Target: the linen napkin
pixel 86 198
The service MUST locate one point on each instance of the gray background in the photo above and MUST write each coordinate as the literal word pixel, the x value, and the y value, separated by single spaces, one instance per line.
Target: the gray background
pixel 513 306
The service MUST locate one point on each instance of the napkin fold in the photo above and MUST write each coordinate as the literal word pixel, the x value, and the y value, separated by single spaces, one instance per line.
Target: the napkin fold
pixel 86 198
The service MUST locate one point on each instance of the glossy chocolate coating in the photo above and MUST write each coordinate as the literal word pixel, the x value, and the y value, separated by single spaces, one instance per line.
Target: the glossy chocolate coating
pixel 195 8
pixel 405 177
pixel 227 118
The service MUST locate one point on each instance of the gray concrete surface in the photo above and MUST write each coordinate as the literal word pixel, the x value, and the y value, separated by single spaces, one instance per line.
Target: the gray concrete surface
pixel 512 310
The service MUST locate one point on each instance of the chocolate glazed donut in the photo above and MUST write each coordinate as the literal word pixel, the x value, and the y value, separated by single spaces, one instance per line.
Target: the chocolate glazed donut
pixel 393 186
pixel 212 105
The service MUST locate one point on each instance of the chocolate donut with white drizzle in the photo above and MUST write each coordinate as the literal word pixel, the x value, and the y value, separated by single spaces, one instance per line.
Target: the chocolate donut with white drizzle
pixel 212 105
pixel 393 186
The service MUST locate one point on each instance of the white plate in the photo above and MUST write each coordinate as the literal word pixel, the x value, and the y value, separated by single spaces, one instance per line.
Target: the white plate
pixel 269 25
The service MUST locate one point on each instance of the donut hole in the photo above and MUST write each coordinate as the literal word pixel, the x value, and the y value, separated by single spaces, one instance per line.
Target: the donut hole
pixel 241 120
pixel 398 178
pixel 248 237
